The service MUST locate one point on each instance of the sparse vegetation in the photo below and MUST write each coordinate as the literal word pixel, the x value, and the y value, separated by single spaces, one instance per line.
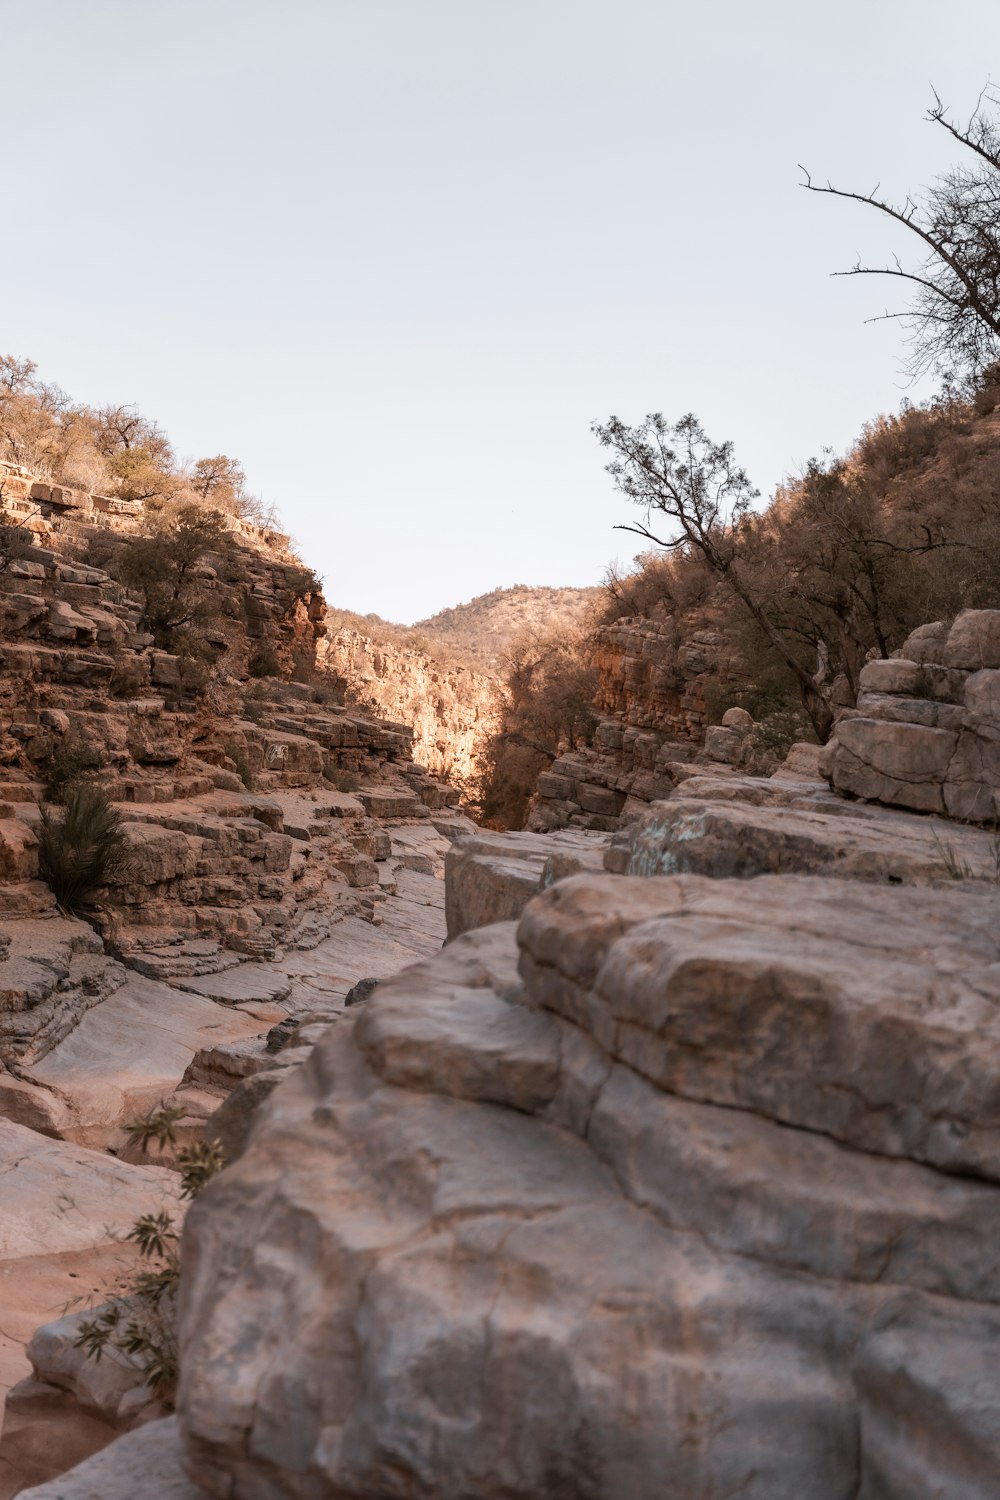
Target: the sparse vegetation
pixel 71 759
pixel 546 697
pixel 141 1319
pixel 264 661
pixel 956 867
pixel 82 850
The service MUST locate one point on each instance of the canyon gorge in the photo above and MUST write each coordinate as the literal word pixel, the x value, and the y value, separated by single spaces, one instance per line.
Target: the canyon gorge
pixel 646 1150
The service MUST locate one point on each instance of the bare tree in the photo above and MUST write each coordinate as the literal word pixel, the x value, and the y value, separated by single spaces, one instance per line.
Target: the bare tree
pixel 953 322
pixel 679 473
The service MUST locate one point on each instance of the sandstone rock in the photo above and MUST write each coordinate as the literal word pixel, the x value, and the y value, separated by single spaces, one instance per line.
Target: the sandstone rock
pixel 802 762
pixel 904 764
pixel 737 718
pixel 974 640
pixel 112 1387
pixel 926 643
pixel 927 731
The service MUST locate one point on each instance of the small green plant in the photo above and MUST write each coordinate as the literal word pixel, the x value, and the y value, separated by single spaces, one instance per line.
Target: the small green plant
pixel 82 850
pixel 244 770
pixel 71 759
pixel 141 1319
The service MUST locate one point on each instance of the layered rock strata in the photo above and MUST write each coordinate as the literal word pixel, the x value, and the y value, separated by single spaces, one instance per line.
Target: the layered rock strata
pixel 926 734
pixel 690 1189
pixel 452 705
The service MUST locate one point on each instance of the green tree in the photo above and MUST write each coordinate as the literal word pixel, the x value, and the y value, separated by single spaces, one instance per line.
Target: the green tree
pixel 163 568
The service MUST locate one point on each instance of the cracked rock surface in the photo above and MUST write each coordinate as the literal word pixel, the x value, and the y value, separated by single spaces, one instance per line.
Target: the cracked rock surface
pixel 681 1188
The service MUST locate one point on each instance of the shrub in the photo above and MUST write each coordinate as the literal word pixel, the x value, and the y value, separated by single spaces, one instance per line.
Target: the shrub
pixel 264 661
pixel 71 759
pixel 84 849
pixel 129 677
pixel 770 740
pixel 195 673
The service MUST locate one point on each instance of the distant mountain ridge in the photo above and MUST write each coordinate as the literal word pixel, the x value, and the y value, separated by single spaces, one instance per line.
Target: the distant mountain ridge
pixel 444 675
pixel 488 624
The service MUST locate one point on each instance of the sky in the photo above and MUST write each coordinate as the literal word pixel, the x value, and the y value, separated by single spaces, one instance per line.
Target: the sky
pixel 398 255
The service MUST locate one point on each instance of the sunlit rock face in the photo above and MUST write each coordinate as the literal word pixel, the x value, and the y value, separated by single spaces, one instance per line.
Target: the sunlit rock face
pixel 681 1187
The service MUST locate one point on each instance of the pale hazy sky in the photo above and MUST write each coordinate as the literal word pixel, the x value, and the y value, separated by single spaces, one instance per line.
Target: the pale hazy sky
pixel 396 255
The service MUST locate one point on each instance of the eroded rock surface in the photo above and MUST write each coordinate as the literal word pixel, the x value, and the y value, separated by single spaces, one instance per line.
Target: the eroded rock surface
pixel 690 1189
pixel 64 1213
pixel 926 734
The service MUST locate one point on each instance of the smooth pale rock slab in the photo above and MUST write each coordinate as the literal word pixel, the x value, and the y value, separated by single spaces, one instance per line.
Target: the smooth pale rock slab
pixel 131 1051
pixel 490 1257
pixel 141 1465
pixel 490 877
pixel 64 1214
pixel 59 1197
pixel 241 985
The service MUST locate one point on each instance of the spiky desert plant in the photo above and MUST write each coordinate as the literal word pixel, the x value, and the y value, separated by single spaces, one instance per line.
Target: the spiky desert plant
pixel 140 1320
pixel 82 850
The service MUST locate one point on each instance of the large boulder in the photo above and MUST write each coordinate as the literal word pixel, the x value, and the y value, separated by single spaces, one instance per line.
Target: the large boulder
pixel 690 1190
pixel 742 826
pixel 926 733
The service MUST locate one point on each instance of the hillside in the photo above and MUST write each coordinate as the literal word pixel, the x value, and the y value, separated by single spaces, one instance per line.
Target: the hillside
pixel 488 625
pixel 446 676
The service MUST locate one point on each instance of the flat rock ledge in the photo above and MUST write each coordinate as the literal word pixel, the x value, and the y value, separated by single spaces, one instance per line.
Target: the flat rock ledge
pixel 142 1465
pixel 680 1190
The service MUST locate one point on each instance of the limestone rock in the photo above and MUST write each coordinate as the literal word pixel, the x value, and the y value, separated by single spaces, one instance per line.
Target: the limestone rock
pixel 927 731
pixel 734 830
pixel 490 877
pixel 689 1207
pixel 142 1465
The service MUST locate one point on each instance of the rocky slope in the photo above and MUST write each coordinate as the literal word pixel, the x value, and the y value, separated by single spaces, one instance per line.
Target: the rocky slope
pixel 673 1175
pixel 444 675
pixel 684 1183
pixel 279 847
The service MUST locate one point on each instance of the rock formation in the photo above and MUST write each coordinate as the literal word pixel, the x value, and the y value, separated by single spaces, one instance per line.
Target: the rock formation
pixel 673 1174
pixel 445 675
pixel 684 1186
pixel 450 703
pixel 279 846
pixel 926 731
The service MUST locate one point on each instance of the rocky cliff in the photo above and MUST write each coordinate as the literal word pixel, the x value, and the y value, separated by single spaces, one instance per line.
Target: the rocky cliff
pixel 674 1174
pixel 277 847
pixel 450 704
pixel 445 676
